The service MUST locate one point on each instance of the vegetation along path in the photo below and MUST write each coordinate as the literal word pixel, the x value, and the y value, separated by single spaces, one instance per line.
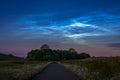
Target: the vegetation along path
pixel 54 71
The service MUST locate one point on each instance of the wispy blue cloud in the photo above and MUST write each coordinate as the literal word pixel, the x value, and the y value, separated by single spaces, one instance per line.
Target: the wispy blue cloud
pixel 74 28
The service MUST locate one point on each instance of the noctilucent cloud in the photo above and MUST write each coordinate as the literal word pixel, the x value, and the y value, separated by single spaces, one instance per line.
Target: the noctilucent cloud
pixel 91 26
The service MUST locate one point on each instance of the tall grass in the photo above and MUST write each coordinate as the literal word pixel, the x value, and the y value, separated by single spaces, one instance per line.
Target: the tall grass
pixel 95 68
pixel 20 70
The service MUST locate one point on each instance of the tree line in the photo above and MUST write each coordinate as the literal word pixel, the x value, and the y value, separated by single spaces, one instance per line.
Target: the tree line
pixel 47 54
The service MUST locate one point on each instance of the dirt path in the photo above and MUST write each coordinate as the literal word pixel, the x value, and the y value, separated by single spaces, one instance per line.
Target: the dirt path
pixel 54 71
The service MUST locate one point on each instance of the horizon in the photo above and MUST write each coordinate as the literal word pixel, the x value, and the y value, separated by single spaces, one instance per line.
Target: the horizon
pixel 89 26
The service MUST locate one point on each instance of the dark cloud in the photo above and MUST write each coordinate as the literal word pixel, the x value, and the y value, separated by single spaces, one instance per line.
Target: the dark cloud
pixel 117 45
pixel 103 39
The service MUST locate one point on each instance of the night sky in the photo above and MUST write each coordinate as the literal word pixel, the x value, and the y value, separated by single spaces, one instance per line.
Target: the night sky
pixel 91 26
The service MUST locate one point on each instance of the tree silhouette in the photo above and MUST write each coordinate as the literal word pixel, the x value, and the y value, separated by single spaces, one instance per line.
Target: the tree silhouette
pixel 45 46
pixel 45 53
pixel 72 50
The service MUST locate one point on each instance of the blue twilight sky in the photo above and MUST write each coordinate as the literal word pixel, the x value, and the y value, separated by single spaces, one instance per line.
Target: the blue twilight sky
pixel 91 26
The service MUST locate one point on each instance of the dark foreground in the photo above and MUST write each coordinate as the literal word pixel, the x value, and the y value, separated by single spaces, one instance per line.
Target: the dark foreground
pixel 54 71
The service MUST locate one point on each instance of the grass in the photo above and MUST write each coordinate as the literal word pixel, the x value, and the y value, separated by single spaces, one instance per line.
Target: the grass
pixel 12 70
pixel 100 68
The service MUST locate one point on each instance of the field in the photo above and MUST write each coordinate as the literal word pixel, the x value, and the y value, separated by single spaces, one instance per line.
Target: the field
pixel 20 70
pixel 101 68
pixel 97 68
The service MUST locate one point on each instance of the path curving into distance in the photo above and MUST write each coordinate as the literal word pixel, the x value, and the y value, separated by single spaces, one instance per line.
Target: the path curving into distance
pixel 54 71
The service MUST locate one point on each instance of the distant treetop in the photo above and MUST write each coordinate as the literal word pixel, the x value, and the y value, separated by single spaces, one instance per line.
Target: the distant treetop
pixel 72 50
pixel 45 46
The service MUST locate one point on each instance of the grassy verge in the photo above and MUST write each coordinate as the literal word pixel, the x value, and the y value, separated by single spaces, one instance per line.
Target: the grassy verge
pixel 95 68
pixel 12 70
